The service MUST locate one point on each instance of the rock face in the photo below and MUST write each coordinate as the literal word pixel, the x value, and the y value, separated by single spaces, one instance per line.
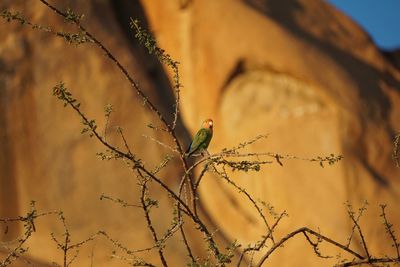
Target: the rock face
pixel 44 156
pixel 311 78
pixel 298 70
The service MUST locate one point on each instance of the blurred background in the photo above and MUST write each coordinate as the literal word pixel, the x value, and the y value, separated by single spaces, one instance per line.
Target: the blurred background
pixel 319 77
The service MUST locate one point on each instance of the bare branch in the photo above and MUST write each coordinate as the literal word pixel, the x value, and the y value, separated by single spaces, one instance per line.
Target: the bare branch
pixel 264 239
pixel 396 149
pixel 351 214
pixel 146 204
pixel 390 231
pixel 309 231
pixel 371 262
pixel 356 224
pixel 249 197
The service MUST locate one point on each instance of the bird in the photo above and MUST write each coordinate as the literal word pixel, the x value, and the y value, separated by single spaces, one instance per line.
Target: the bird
pixel 202 138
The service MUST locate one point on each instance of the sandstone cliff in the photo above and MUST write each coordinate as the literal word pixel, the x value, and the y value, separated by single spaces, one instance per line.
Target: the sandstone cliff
pixel 298 70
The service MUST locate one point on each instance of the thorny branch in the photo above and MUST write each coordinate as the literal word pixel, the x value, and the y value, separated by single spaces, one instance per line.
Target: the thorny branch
pixel 63 94
pixel 261 243
pixel 396 150
pixel 224 175
pixel 29 226
pixel 351 213
pixel 389 230
pixel 147 203
pixel 164 58
pixel 305 230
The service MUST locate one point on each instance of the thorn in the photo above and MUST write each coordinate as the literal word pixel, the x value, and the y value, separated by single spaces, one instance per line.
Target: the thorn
pixel 277 157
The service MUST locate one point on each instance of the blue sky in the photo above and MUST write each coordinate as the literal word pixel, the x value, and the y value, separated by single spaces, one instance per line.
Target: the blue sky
pixel 380 18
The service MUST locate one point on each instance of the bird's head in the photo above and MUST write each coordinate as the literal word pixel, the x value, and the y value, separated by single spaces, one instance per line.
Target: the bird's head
pixel 208 124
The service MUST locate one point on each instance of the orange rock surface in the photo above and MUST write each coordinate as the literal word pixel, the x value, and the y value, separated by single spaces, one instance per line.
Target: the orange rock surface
pixel 298 70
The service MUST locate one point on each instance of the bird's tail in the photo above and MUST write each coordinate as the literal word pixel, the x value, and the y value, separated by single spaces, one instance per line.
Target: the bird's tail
pixel 188 153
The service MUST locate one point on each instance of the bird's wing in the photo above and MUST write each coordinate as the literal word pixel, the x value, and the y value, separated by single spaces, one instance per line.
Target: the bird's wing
pixel 198 140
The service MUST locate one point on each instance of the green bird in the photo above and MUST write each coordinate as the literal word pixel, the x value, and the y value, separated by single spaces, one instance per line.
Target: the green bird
pixel 202 138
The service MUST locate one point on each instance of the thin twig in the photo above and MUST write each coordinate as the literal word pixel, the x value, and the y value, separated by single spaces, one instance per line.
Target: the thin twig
pixel 249 197
pixel 307 230
pixel 145 206
pixel 355 221
pixel 390 231
pixel 351 214
pixel 368 261
pixel 161 143
pixel 263 240
pixel 396 149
